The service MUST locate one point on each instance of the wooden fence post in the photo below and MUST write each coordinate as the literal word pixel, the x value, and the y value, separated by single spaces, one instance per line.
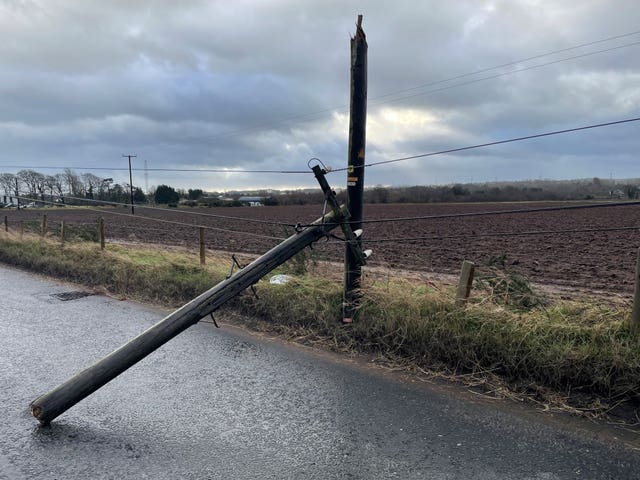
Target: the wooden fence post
pixel 101 232
pixel 21 229
pixel 202 258
pixel 6 224
pixel 43 231
pixel 464 285
pixel 62 231
pixel 635 313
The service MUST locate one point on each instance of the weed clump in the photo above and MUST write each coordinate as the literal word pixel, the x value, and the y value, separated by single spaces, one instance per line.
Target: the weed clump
pixel 506 285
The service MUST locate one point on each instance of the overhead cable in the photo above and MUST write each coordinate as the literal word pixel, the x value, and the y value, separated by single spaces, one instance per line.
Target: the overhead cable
pixel 499 234
pixel 500 212
pixel 159 220
pixel 186 212
pixel 489 144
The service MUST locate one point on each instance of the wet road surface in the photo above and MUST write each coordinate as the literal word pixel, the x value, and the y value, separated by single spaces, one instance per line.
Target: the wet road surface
pixel 224 404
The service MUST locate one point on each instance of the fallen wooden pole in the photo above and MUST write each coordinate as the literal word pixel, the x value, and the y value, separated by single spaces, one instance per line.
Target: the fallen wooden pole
pixel 48 406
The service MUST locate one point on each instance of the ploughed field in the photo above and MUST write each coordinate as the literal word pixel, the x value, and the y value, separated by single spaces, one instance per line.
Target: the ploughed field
pixel 591 260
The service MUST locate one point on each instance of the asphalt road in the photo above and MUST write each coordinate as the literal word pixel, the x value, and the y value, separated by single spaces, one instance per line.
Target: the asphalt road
pixel 227 404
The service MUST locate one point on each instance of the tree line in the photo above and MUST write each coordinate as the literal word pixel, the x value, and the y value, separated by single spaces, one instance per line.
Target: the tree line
pixel 66 187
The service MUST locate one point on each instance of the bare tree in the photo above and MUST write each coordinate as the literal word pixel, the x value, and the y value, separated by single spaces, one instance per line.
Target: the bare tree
pixel 7 182
pixel 34 181
pixel 50 185
pixel 91 183
pixel 11 184
pixel 73 183
pixel 58 182
pixel 104 189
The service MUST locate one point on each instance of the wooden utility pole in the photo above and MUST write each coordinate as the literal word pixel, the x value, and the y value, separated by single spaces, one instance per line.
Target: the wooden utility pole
pixel 130 179
pixel 17 190
pixel 355 167
pixel 635 313
pixel 47 407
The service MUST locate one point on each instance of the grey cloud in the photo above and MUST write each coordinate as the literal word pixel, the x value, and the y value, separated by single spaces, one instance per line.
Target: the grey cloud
pixel 219 83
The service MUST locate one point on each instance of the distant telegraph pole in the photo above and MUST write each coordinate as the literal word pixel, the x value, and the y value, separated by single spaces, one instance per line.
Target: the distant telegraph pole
pixel 355 166
pixel 146 177
pixel 130 180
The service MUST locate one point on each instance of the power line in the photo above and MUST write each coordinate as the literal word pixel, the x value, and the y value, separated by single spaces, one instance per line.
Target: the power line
pixel 498 234
pixel 464 75
pixel 500 212
pixel 266 171
pixel 498 142
pixel 183 224
pixel 117 169
pixel 392 93
pixel 186 212
pixel 260 126
pixel 159 220
pixel 497 75
pixel 371 164
pixel 508 64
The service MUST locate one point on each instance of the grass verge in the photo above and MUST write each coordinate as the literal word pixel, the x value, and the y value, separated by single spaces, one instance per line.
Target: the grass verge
pixel 580 352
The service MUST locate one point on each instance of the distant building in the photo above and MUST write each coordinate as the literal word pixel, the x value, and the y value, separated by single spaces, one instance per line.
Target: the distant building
pixel 617 193
pixel 252 201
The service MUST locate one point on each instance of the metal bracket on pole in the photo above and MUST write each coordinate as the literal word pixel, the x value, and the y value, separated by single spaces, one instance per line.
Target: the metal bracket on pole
pixel 234 263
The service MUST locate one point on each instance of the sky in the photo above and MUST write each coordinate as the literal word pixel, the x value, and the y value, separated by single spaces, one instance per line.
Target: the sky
pixel 264 85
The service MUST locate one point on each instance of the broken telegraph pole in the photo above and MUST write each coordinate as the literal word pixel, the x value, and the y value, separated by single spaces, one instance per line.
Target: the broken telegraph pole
pixel 48 406
pixel 355 167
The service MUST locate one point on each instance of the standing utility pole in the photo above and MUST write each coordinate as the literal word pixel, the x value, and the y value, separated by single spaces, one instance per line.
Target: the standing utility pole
pixel 130 179
pixel 355 167
pixel 146 177
pixel 17 190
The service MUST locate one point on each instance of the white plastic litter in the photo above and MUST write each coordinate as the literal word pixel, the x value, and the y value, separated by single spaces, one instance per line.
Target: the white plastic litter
pixel 280 279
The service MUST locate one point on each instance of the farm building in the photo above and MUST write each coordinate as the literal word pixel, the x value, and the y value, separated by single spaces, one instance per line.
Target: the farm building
pixel 252 201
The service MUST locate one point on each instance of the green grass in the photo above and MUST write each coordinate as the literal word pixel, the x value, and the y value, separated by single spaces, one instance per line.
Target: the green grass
pixel 580 347
pixel 154 276
pixel 569 347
